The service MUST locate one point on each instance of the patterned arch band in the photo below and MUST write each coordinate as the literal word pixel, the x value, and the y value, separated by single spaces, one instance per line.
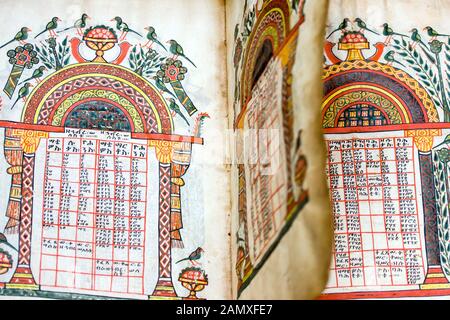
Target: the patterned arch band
pixel 392 91
pixel 56 96
pixel 272 24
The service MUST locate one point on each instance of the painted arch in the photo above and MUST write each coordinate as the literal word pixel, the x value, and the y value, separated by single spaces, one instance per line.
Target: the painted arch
pixel 390 91
pixel 138 102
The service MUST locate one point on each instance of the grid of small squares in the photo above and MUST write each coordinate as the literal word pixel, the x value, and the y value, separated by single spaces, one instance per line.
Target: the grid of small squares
pixel 361 115
pixel 266 176
pixel 373 195
pixel 94 214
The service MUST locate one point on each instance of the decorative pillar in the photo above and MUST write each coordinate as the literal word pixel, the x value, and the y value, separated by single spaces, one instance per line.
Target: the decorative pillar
pixel 180 164
pixel 13 155
pixel 164 287
pixel 423 139
pixel 29 142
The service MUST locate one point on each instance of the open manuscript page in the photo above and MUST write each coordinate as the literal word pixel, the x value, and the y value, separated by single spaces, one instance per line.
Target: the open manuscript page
pixel 111 122
pixel 281 228
pixel 385 114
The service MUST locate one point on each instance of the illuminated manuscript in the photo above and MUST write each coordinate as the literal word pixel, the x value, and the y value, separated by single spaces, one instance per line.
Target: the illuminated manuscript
pixel 385 114
pixel 148 155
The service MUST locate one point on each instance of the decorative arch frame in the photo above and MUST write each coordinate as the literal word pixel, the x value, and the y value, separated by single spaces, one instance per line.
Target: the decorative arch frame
pixel 272 24
pixel 392 90
pixel 51 101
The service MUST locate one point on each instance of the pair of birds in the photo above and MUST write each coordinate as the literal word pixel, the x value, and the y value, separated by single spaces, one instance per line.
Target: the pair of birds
pixel 50 27
pixel 346 23
pixel 24 91
pixel 175 48
pixel 22 34
pixel 53 24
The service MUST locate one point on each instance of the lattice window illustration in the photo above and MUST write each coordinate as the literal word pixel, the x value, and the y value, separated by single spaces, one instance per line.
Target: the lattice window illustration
pixel 97 115
pixel 361 115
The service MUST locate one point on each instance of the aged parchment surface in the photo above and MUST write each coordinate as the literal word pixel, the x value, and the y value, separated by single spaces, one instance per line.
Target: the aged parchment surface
pixel 296 268
pixel 187 198
pixel 385 115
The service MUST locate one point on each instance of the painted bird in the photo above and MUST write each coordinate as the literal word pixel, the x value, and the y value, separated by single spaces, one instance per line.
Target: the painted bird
pixel 122 26
pixel 152 38
pixel 50 27
pixel 433 33
pixel 23 92
pixel 20 36
pixel 3 240
pixel 79 24
pixel 161 86
pixel 194 256
pixel 362 25
pixel 342 27
pixel 39 72
pixel 417 39
pixel 415 36
pixel 177 50
pixel 175 108
pixel 389 57
pixel 389 33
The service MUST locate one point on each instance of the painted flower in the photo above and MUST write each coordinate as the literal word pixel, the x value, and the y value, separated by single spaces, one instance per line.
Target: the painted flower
pixel 436 46
pixel 24 56
pixel 171 70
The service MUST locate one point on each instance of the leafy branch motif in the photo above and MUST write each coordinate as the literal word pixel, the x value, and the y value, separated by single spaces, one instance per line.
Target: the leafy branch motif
pixel 423 70
pixel 441 159
pixel 54 55
pixel 145 63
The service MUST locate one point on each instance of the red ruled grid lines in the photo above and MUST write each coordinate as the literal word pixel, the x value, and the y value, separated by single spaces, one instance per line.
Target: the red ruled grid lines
pixel 348 187
pixel 103 253
pixel 266 189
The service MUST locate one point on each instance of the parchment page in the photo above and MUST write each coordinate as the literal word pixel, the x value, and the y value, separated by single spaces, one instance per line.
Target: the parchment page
pixel 113 184
pixel 385 114
pixel 281 227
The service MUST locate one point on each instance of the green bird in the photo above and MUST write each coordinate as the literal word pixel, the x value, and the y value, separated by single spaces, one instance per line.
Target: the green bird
pixel 362 25
pixel 50 27
pixel 389 57
pixel 23 92
pixel 389 33
pixel 161 86
pixel 177 50
pixel 79 24
pixel 122 26
pixel 20 36
pixel 433 33
pixel 151 36
pixel 342 27
pixel 194 256
pixel 3 240
pixel 175 108
pixel 415 36
pixel 39 72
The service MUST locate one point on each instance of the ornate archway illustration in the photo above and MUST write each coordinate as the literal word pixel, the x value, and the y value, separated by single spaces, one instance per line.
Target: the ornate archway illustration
pixel 104 96
pixel 268 31
pixel 365 95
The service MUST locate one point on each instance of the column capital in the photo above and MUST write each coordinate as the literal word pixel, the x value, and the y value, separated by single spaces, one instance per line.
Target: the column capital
pixel 29 139
pixel 423 138
pixel 167 151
